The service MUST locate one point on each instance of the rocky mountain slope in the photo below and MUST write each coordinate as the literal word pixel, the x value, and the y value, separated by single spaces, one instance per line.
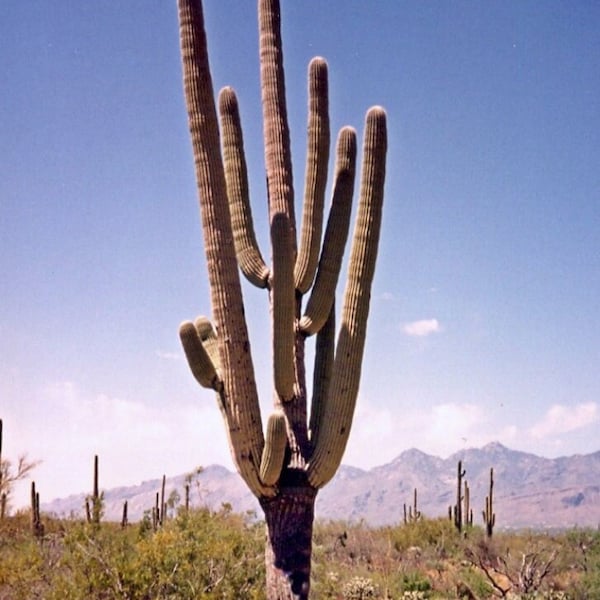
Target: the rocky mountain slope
pixel 529 491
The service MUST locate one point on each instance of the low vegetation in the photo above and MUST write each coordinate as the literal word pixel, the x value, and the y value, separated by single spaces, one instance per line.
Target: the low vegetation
pixel 202 554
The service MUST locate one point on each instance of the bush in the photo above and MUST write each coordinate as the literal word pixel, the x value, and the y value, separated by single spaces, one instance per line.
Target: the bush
pixel 203 554
pixel 197 555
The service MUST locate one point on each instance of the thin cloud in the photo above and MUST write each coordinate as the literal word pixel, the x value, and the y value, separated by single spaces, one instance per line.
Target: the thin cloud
pixel 563 419
pixel 134 440
pixel 422 328
pixel 168 355
pixel 440 430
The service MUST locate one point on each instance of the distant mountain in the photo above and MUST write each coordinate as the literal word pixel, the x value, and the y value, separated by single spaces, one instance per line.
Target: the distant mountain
pixel 529 491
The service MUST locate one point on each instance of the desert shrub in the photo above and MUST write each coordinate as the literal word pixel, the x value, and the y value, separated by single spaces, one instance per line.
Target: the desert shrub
pixel 436 537
pixel 583 560
pixel 204 554
pixel 26 561
pixel 195 556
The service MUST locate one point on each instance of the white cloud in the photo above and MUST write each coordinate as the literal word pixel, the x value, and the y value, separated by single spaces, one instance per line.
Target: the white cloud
pixel 379 434
pixel 563 419
pixel 134 441
pixel 422 328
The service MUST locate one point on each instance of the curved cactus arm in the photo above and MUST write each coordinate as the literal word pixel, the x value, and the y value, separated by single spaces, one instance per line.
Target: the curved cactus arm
pixel 208 337
pixel 239 395
pixel 248 254
pixel 339 410
pixel 317 158
pixel 198 358
pixel 278 157
pixel 336 235
pixel 324 355
pixel 283 300
pixel 274 450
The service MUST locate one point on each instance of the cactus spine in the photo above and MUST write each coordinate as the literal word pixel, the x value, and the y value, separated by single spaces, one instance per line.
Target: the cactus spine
pixel 489 517
pixel 285 468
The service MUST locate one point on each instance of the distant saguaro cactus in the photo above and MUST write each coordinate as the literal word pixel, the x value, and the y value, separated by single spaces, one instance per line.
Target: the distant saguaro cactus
pixel 412 514
pixel 456 515
pixel 93 503
pixel 37 527
pixel 467 510
pixel 286 466
pixel 489 516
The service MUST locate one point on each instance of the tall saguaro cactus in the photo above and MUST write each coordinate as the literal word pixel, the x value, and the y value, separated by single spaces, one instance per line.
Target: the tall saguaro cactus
pixel 287 464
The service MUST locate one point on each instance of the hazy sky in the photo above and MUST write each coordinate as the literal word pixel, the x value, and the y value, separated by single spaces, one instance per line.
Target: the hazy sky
pixel 484 320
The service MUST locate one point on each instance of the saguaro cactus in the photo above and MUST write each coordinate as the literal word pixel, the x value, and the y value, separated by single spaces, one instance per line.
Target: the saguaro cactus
pixel 412 515
pixel 489 516
pixel 461 513
pixel 296 457
pixel 458 507
pixel 37 527
pixel 93 503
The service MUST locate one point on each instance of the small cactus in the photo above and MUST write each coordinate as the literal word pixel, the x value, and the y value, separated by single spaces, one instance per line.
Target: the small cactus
pixel 467 511
pixel 93 503
pixel 456 514
pixel 162 512
pixel 489 516
pixel 124 519
pixel 412 514
pixel 37 527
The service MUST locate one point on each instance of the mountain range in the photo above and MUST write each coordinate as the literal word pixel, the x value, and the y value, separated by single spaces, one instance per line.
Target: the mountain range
pixel 529 491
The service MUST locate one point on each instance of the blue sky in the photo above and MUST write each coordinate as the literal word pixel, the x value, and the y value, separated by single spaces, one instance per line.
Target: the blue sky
pixel 484 318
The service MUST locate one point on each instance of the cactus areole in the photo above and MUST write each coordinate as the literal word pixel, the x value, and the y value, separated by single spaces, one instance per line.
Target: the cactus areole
pixel 299 450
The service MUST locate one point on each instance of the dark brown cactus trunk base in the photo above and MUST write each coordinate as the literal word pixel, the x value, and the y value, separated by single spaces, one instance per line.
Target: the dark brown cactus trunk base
pixel 289 519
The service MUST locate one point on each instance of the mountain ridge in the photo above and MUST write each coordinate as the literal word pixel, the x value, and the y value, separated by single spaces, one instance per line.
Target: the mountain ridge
pixel 529 491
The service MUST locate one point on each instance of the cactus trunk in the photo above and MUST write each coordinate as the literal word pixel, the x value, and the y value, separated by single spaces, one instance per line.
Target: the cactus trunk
pixel 289 517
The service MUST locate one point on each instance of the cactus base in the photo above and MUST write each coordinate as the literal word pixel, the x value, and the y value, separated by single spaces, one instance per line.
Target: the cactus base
pixel 289 519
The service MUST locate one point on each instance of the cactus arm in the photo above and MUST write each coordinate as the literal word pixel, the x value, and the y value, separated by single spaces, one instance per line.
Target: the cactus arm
pixel 199 361
pixel 283 300
pixel 317 157
pixel 324 354
pixel 248 254
pixel 336 235
pixel 337 418
pixel 274 450
pixel 239 395
pixel 208 337
pixel 276 130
